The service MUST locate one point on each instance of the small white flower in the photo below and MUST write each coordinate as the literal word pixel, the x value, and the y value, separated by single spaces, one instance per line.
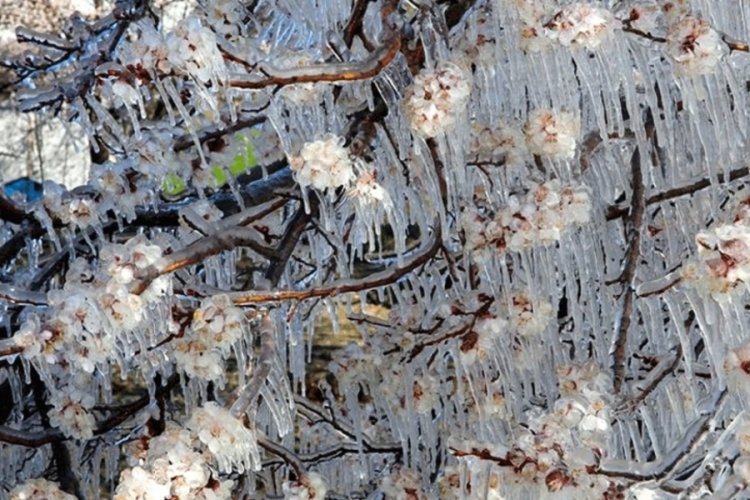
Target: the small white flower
pixel 139 484
pixel 581 25
pixel 71 413
pixel 232 444
pixel 311 487
pixel 694 47
pixel 737 368
pixel 39 489
pixel 552 134
pixel 323 164
pixel 367 190
pixel 436 98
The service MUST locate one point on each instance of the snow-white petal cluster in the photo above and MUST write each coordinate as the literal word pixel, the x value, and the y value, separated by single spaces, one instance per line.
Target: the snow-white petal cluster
pixel 552 134
pixel 694 47
pixel 537 218
pixel 436 98
pixel 323 164
pixel 233 446
pixel 581 25
pixel 38 489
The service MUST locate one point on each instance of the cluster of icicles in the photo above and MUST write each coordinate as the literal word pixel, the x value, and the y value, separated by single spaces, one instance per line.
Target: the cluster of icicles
pixel 488 367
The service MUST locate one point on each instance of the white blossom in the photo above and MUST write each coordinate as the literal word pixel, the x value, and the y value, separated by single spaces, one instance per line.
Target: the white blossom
pixel 38 489
pixel 232 444
pixel 552 134
pixel 311 487
pixel 694 47
pixel 436 98
pixel 323 164
pixel 581 24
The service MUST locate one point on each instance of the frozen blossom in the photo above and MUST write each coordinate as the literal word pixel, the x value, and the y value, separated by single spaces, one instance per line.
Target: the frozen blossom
pixel 737 369
pixel 324 164
pixel 232 445
pixel 502 144
pixel 436 98
pixel 124 262
pixel 533 14
pixel 218 322
pixel 197 358
pixel 402 484
pixel 537 218
pixel 311 487
pixel 139 484
pixel 71 413
pixel 694 47
pixel 39 489
pixel 724 260
pixel 552 134
pixel 581 24
pixel 367 191
pixel 529 316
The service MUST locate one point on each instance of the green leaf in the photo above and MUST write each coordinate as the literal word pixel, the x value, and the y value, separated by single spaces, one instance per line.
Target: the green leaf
pixel 173 184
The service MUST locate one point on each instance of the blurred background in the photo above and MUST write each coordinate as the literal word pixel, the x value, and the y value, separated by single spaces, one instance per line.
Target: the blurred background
pixel 37 147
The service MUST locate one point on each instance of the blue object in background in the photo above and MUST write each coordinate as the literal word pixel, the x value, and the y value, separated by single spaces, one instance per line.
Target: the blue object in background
pixel 28 187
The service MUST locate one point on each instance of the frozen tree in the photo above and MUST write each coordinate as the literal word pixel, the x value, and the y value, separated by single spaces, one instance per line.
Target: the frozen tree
pixel 532 213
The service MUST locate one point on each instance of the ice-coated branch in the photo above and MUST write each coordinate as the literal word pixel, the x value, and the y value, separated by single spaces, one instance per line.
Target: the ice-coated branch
pixel 14 295
pixel 659 469
pixel 198 251
pixel 331 72
pixel 247 395
pixel 120 414
pixel 383 278
pixel 634 224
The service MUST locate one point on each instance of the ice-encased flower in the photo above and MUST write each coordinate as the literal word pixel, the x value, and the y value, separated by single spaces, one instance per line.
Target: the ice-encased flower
pixel 38 489
pixel 323 164
pixel 581 25
pixel 311 487
pixel 71 414
pixel 232 444
pixel 218 321
pixel 139 484
pixel 552 134
pixel 694 47
pixel 436 98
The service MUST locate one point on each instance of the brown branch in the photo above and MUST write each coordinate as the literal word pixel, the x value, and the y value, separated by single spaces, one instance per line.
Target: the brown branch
pixel 341 72
pixel 383 278
pixel 36 439
pixel 248 393
pixel 617 212
pixel 199 250
pixel 355 21
pixel 637 211
pixel 292 234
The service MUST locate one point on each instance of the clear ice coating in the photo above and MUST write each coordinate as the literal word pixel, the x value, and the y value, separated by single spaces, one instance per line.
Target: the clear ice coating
pixel 384 249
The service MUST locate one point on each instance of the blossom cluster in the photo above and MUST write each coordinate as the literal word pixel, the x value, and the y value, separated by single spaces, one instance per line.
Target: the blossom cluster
pixel 184 462
pixel 501 143
pixel 694 47
pixel 537 218
pixel 724 260
pixel 38 489
pixel 552 134
pixel 575 25
pixel 172 465
pixel 323 164
pixel 436 98
pixel 217 326
pixel 555 450
pixel 581 24
pixel 515 313
pixel 310 487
